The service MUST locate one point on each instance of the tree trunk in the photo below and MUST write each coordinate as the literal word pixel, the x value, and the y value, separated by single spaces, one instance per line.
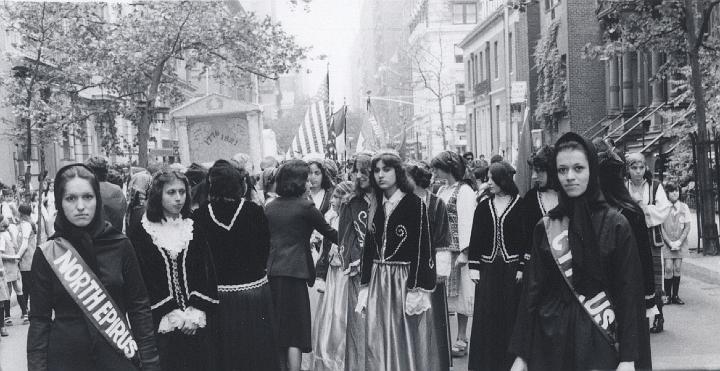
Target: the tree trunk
pixel 442 124
pixel 41 180
pixel 703 171
pixel 147 115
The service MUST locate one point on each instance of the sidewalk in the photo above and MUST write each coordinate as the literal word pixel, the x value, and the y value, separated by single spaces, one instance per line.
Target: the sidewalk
pixel 698 266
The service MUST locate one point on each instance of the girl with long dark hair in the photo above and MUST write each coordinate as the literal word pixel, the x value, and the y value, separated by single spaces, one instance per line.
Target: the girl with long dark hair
pixel 398 274
pixel 179 274
pixel 498 245
pixel 582 288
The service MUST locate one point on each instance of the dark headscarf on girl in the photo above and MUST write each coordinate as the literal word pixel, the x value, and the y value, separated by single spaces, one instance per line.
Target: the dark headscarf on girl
pixel 452 163
pixel 82 238
pixel 588 276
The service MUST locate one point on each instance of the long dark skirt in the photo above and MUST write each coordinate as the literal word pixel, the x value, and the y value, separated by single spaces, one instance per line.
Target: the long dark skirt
pixel 292 312
pixel 496 300
pixel 441 330
pixel 186 352
pixel 355 339
pixel 246 330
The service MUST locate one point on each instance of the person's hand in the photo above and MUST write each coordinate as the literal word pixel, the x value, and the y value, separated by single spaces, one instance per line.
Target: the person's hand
pixel 362 300
pixel 626 366
pixel 518 276
pixel 320 285
pixel 475 276
pixel 462 259
pixel 519 365
pixel 189 327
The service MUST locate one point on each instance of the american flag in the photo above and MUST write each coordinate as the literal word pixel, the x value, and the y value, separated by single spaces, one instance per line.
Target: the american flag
pixel 337 131
pixel 313 135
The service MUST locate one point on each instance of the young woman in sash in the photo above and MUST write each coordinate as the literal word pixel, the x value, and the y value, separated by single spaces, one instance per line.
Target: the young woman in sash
pixel 460 197
pixel 179 274
pixel 583 285
pixel 398 274
pixel 237 234
pixel 62 336
pixel 612 182
pixel 498 247
pixel 421 175
pixel 352 227
pixel 292 219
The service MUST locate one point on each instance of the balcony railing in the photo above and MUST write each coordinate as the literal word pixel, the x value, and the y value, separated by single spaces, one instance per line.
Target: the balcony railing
pixel 481 88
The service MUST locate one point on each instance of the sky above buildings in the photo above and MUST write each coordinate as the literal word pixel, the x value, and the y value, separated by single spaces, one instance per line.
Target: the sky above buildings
pixel 330 27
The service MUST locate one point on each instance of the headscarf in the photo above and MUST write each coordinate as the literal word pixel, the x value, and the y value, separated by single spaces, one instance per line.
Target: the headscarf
pixel 82 238
pixel 588 271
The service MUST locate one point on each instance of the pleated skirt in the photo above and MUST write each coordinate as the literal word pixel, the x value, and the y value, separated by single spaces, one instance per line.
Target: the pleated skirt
pixel 330 323
pixel 246 329
pixel 441 328
pixel 396 341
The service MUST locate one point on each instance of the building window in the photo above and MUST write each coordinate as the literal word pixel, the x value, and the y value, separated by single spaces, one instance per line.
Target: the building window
pixel 458 58
pixel 469 71
pixel 464 13
pixel 459 94
pixel 510 52
pixel 497 115
pixel 497 70
pixel 479 64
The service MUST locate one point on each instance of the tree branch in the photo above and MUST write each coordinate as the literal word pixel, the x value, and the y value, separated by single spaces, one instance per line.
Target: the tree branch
pixel 706 15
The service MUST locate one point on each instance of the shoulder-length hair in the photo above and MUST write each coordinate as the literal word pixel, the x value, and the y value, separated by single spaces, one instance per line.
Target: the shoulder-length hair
pixel 292 178
pixel 361 164
pixel 501 174
pixel 155 211
pixel 401 179
pixel 226 182
pixel 327 181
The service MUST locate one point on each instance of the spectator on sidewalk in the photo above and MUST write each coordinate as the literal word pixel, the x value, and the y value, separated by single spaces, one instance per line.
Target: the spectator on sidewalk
pixel 114 202
pixel 675 232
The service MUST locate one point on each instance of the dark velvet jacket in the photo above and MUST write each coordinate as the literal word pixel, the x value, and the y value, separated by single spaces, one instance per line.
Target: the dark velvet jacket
pixel 438 219
pixel 552 331
pixel 407 240
pixel 514 243
pixel 291 222
pixel 61 338
pixel 352 225
pixel 644 246
pixel 241 253
pixel 168 286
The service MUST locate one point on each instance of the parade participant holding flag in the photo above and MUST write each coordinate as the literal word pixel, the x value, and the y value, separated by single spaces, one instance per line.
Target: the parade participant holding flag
pixel 87 285
pixel 582 288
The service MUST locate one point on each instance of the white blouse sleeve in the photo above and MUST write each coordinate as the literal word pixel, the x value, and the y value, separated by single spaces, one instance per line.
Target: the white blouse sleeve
pixel 466 203
pixel 656 214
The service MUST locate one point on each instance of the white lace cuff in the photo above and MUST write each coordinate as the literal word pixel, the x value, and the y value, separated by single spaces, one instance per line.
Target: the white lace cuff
pixel 474 274
pixel 195 316
pixel 443 259
pixel 171 321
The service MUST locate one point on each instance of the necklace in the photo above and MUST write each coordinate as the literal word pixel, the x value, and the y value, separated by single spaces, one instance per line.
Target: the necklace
pixel 232 222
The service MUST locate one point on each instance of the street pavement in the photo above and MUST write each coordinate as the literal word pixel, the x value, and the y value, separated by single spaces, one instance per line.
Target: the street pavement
pixel 688 343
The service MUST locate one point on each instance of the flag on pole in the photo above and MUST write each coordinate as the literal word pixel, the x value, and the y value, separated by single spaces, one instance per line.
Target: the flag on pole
pixel 360 147
pixel 336 139
pixel 313 134
pixel 377 130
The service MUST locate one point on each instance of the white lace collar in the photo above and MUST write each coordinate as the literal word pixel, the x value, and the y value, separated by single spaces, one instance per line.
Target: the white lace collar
pixel 172 235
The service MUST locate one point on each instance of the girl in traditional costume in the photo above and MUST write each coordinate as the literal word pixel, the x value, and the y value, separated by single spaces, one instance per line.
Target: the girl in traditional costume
pixel 498 247
pixel 460 196
pixel 179 274
pixel 239 239
pixel 330 319
pixel 582 287
pixel 398 274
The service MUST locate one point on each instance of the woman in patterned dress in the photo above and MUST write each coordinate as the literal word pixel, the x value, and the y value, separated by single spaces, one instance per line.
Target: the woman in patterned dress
pixel 460 197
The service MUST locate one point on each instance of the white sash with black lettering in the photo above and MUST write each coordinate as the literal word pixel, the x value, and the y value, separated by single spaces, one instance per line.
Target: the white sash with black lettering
pixel 90 295
pixel 599 308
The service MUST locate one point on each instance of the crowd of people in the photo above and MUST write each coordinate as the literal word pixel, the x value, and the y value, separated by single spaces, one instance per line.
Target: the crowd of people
pixel 309 265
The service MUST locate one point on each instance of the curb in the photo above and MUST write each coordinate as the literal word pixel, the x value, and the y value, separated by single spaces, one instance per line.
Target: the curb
pixel 700 273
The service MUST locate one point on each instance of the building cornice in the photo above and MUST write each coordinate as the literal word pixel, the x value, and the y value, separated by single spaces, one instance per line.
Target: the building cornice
pixel 482 26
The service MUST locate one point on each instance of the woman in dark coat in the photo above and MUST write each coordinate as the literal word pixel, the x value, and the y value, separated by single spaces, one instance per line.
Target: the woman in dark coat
pixel 292 219
pixel 498 246
pixel 60 336
pixel 237 234
pixel 592 268
pixel 179 274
